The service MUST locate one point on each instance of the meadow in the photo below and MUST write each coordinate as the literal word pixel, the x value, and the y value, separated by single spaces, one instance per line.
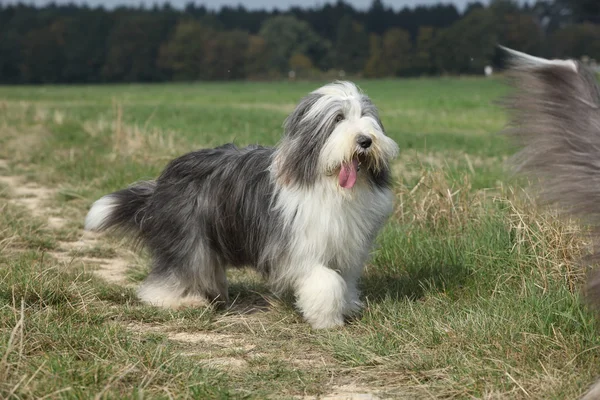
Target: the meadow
pixel 472 292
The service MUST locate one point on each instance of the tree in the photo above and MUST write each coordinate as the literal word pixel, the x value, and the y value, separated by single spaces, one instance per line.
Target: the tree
pixel 184 54
pixel 520 32
pixel 133 45
pixel 197 52
pixel 422 59
pixel 472 6
pixel 256 57
pixel 575 41
pixel 325 20
pixel 376 66
pixel 378 19
pixel 11 53
pixel 285 36
pixel 43 56
pixel 301 65
pixel 583 10
pixel 438 16
pixel 468 45
pixel 397 51
pixel 228 55
pixel 351 46
pixel 16 23
pixel 84 46
pixel 502 7
pixel 551 15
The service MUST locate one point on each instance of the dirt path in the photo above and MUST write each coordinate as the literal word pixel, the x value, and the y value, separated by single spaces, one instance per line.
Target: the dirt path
pixel 37 200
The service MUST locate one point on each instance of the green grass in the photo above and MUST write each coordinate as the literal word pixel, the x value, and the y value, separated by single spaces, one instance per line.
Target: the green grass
pixel 472 291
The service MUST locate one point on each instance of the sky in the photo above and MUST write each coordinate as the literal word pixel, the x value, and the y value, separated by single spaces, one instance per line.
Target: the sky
pixel 253 4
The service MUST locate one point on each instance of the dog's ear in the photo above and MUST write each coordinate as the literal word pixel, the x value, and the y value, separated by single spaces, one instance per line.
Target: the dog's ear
pixel 368 108
pixel 294 163
pixel 290 126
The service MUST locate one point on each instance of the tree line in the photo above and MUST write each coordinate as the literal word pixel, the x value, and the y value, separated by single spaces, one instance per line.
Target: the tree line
pixel 79 44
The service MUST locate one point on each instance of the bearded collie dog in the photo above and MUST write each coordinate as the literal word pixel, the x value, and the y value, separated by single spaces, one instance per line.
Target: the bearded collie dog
pixel 304 214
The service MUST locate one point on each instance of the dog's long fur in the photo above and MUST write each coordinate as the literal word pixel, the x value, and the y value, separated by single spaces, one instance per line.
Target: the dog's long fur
pixel 281 210
pixel 555 118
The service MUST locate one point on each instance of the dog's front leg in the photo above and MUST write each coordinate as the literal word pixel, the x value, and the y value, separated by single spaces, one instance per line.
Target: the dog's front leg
pixel 353 303
pixel 321 297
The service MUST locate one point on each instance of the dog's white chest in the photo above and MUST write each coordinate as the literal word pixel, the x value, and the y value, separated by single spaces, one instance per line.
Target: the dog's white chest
pixel 334 227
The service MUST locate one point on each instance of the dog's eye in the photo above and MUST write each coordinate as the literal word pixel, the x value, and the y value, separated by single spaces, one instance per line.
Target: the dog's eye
pixel 339 118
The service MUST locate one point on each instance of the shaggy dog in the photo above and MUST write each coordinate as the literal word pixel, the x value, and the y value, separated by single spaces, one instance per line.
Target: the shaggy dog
pixel 304 213
pixel 555 114
pixel 555 119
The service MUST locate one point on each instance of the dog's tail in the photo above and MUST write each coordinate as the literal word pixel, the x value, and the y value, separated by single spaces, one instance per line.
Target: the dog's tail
pixel 555 118
pixel 124 210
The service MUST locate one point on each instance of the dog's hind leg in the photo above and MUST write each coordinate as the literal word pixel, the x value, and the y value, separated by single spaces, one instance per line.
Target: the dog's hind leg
pixel 188 282
pixel 211 281
pixel 164 288
pixel 321 297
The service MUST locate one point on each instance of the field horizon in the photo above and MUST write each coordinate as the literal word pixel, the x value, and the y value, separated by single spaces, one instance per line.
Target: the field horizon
pixel 473 291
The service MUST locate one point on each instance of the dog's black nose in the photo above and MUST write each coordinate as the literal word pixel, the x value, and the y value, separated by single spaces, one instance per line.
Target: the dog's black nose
pixel 364 141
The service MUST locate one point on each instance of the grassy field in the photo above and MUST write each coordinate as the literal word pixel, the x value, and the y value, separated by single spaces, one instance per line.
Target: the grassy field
pixel 471 293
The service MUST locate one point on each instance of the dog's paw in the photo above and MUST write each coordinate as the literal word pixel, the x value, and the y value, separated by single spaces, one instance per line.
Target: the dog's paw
pixel 192 301
pixel 353 308
pixel 327 323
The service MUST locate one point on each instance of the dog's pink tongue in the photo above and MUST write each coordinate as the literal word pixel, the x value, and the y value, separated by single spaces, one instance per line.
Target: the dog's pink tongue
pixel 347 176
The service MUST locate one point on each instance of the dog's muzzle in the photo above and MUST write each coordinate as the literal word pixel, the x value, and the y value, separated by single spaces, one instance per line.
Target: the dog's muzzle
pixel 364 141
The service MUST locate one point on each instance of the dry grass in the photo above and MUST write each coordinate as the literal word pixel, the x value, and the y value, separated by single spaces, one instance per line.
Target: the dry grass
pixel 438 202
pixel 134 140
pixel 554 245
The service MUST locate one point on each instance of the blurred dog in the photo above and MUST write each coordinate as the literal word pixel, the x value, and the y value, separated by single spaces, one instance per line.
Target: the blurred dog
pixel 555 118
pixel 304 213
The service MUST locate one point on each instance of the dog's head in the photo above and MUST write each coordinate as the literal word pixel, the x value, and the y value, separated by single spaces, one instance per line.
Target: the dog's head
pixel 335 131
